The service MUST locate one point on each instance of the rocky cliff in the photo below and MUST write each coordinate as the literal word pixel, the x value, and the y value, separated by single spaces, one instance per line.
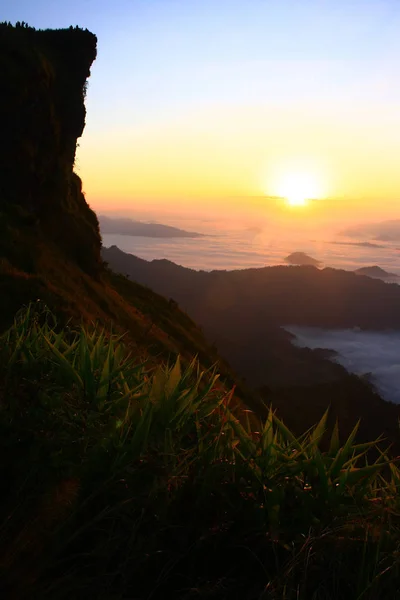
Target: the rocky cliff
pixel 42 111
pixel 49 237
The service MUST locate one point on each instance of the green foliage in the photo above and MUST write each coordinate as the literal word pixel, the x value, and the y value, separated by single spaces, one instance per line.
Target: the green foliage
pixel 129 481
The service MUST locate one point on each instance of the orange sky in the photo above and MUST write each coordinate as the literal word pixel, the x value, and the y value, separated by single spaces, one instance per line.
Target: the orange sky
pixel 217 158
pixel 203 108
pixel 196 106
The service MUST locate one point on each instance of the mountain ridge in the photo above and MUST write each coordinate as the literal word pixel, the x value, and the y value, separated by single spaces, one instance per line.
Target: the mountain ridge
pixel 376 272
pixel 243 312
pixel 301 295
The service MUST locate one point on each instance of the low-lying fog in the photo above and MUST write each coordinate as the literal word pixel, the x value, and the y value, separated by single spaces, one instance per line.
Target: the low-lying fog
pixel 360 352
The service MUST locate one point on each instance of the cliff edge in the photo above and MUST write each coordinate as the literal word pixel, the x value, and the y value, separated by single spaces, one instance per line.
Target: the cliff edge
pixel 42 111
pixel 49 237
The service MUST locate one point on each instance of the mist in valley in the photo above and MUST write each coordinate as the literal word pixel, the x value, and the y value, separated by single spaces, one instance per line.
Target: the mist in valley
pixel 375 355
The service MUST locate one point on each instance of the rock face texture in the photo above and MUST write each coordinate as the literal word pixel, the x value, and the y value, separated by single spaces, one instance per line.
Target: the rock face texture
pixel 42 111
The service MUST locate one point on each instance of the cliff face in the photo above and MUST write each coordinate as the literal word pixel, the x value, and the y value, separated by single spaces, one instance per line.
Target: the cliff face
pixel 49 237
pixel 42 112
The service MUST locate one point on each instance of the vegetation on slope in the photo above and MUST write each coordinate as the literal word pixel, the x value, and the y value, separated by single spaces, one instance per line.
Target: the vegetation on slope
pixel 126 481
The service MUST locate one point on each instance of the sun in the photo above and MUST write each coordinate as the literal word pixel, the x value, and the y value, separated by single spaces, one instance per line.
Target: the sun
pixel 298 188
pixel 297 185
pixel 296 200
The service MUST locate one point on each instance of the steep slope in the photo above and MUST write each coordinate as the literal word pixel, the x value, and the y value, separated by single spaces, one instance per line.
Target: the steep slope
pixel 49 237
pixel 42 112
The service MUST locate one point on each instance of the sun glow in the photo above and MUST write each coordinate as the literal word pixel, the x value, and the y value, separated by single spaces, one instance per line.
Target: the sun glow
pixel 298 188
pixel 296 184
pixel 296 200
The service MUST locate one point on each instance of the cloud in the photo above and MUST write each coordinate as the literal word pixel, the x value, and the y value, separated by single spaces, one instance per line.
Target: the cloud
pixel 360 352
pixel 385 231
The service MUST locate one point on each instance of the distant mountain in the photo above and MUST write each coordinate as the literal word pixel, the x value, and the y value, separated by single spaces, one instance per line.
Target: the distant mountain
pixel 385 231
pixel 376 273
pixel 301 258
pixel 138 228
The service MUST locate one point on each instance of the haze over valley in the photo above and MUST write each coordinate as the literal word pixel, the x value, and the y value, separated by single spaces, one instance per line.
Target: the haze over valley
pixel 371 355
pixel 232 244
pixel 262 300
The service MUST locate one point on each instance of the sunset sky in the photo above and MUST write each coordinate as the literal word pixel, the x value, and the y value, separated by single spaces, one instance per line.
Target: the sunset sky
pixel 199 105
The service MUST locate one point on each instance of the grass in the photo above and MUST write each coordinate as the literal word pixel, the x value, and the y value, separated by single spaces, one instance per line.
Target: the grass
pixel 126 480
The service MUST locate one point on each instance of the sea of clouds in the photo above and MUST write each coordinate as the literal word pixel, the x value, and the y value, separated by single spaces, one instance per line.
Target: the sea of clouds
pixel 243 247
pixel 360 352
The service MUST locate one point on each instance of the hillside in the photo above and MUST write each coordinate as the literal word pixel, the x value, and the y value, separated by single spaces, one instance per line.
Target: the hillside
pixel 49 237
